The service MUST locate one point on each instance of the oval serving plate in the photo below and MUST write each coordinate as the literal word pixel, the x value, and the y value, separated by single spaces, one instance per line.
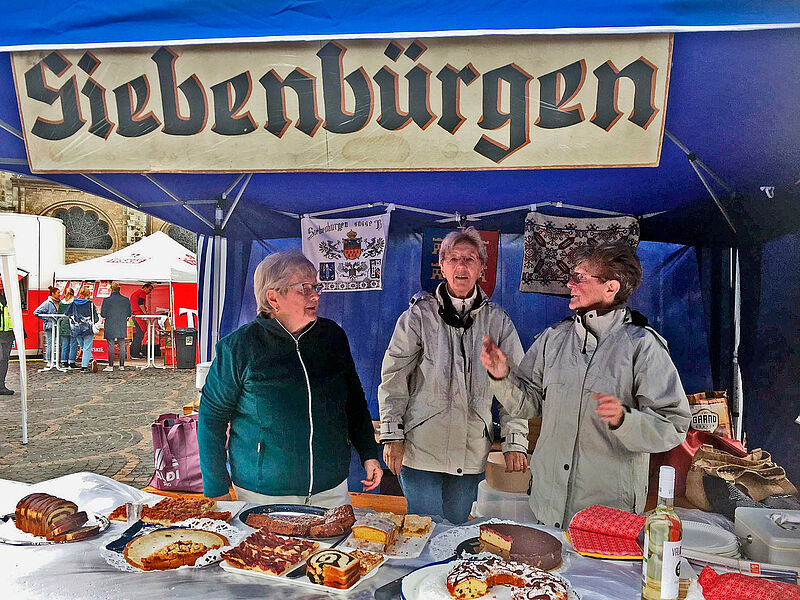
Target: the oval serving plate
pixel 9 534
pixel 280 510
pixel 429 583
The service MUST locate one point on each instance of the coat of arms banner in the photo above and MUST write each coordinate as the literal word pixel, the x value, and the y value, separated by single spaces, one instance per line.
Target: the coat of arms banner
pixel 550 241
pixel 347 253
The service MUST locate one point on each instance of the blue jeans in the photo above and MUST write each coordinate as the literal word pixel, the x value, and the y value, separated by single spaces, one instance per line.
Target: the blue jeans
pixel 449 496
pixel 85 343
pixel 69 348
pixel 48 345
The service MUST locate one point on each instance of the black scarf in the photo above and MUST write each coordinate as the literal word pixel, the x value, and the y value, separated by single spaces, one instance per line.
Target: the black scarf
pixel 449 313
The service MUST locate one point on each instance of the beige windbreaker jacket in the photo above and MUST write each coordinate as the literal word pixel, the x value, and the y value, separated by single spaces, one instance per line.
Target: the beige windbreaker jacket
pixel 579 460
pixel 434 389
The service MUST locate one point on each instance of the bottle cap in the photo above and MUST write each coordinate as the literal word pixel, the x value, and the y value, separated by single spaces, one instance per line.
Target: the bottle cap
pixel 666 481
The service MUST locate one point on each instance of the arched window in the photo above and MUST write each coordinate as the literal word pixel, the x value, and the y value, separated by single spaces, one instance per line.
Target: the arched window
pixel 84 229
pixel 186 238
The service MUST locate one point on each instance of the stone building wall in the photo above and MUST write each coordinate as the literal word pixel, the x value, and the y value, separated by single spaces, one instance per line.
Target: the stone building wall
pixel 95 226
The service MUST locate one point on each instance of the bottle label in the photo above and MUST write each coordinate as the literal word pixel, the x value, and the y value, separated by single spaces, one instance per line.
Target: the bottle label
pixel 670 570
pixel 644 558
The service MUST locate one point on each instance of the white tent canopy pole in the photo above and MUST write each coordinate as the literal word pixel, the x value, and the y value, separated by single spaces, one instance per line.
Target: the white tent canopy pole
pixel 8 271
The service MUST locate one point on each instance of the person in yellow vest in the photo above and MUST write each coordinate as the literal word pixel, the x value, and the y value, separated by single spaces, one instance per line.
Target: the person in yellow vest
pixel 6 340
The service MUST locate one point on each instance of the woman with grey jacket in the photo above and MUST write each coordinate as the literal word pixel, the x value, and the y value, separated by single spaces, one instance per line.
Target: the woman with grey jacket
pixel 435 405
pixel 605 387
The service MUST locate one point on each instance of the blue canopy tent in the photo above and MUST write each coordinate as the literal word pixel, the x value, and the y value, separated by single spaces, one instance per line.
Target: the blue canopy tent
pixel 724 187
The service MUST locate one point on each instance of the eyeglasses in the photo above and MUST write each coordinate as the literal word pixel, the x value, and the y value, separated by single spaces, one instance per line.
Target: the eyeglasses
pixel 307 289
pixel 579 278
pixel 469 261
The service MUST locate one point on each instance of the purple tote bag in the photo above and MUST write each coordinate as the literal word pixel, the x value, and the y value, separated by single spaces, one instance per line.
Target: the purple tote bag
pixel 175 454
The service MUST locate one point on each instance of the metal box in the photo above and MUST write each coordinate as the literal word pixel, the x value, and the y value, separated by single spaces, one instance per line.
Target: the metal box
pixel 769 535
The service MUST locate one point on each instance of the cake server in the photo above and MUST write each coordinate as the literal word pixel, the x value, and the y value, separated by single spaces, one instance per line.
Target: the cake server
pixel 300 570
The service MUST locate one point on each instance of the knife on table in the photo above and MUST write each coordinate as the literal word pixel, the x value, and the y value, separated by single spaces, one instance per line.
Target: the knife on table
pixel 301 570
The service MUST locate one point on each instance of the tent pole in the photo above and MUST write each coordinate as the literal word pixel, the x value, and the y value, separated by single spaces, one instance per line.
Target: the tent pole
pixel 535 206
pixel 713 195
pixel 426 211
pixel 235 201
pixel 696 165
pixel 173 322
pixel 738 390
pixel 702 165
pixel 8 272
pixel 178 200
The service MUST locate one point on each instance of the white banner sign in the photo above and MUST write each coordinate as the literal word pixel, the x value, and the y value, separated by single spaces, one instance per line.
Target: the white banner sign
pixel 485 102
pixel 348 253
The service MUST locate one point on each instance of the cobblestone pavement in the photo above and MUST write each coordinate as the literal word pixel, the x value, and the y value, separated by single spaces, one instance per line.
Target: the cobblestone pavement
pixel 98 422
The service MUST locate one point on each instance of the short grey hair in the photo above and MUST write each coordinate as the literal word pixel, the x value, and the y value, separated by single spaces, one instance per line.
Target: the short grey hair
pixel 469 235
pixel 275 272
pixel 616 261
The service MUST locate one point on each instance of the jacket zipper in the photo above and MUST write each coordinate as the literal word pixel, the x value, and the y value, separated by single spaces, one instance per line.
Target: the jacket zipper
pixel 310 413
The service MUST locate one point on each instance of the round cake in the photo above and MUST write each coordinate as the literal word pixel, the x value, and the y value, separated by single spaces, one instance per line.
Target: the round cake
pixel 523 544
pixel 474 578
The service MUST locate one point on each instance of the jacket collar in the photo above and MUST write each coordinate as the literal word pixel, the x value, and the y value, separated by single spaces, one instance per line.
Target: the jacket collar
pixel 274 326
pixel 450 315
pixel 593 325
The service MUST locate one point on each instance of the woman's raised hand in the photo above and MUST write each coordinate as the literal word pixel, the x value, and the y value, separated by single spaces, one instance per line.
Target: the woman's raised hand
pixel 494 359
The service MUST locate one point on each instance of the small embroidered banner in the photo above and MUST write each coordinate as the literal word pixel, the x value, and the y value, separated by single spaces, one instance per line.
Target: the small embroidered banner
pixel 550 241
pixel 348 253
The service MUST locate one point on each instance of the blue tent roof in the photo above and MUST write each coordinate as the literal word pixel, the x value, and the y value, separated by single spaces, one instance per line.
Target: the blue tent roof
pixel 51 23
pixel 733 101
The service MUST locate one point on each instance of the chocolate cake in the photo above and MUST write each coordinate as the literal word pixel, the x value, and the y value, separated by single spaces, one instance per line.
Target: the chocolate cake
pixel 284 525
pixel 522 544
pixel 336 521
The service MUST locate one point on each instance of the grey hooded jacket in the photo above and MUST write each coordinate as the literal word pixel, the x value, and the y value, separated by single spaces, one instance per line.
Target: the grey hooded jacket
pixel 434 390
pixel 579 460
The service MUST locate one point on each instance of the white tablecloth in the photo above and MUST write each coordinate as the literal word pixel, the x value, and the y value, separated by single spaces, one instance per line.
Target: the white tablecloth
pixel 77 571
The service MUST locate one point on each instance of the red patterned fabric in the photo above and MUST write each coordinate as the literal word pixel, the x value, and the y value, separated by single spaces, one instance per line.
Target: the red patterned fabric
pixel 735 586
pixel 606 532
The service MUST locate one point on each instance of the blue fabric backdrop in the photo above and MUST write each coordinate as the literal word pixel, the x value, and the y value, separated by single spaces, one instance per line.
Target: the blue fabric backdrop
pixel 669 297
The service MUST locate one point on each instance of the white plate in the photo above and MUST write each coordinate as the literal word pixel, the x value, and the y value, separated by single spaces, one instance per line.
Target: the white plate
pixel 300 581
pixel 113 553
pixel 703 537
pixel 404 547
pixel 429 583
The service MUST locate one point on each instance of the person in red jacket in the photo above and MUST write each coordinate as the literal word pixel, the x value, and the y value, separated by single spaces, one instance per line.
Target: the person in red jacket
pixel 138 307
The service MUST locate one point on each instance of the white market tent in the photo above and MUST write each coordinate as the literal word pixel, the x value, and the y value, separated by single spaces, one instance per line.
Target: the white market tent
pixel 157 258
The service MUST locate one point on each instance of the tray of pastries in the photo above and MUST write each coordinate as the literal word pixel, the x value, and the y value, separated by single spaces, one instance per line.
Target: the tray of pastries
pixel 170 511
pixel 300 561
pixel 41 519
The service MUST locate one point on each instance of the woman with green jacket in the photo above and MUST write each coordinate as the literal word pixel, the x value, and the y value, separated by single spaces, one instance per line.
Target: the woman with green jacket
pixel 287 386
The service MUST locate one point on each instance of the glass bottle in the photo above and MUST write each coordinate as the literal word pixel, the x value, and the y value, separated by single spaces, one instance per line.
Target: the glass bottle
pixel 662 544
